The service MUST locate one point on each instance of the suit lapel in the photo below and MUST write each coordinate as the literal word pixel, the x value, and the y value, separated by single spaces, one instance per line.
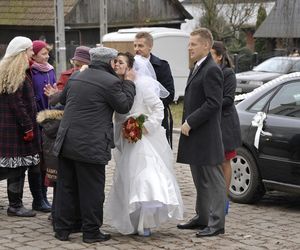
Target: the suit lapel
pixel 193 74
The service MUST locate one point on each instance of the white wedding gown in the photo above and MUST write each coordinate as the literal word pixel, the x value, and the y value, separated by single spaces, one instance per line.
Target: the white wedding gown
pixel 144 192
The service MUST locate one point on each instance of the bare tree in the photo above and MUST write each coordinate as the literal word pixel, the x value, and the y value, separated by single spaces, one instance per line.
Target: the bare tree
pixel 212 18
pixel 225 18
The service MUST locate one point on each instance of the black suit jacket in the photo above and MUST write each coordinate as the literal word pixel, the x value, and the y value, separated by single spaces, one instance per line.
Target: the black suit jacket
pixel 164 76
pixel 202 110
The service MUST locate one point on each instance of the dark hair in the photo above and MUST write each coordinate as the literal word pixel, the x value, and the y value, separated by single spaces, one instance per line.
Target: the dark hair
pixel 221 50
pixel 130 58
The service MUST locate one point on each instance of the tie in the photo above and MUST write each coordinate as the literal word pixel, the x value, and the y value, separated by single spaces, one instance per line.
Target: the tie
pixel 195 69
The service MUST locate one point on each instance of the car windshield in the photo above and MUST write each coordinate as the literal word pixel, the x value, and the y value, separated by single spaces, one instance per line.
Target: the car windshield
pixel 275 65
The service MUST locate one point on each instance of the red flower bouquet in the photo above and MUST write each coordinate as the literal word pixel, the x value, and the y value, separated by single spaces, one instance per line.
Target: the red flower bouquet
pixel 133 128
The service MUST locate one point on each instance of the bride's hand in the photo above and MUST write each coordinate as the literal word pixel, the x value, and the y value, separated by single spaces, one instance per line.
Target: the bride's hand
pixel 129 75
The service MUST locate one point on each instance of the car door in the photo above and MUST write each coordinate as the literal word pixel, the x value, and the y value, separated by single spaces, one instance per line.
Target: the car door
pixel 279 148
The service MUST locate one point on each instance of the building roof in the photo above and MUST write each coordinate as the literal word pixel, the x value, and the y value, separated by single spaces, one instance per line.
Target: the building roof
pixel 282 22
pixel 30 12
pixel 82 13
pixel 227 1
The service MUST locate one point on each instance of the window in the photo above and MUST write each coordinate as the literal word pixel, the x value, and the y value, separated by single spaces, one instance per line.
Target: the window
pixel 296 67
pixel 287 101
pixel 260 104
pixel 276 64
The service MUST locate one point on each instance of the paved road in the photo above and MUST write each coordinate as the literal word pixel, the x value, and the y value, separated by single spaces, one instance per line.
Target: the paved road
pixel 273 223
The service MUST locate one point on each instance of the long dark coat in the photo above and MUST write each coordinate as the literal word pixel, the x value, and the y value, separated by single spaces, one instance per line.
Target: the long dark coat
pixel 202 110
pixel 230 124
pixel 18 115
pixel 90 98
pixel 164 76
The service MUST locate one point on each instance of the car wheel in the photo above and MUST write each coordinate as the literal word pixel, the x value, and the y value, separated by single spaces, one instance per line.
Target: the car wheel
pixel 246 185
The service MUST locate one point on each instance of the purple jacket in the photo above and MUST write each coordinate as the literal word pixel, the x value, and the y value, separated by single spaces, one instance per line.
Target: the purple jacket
pixel 39 80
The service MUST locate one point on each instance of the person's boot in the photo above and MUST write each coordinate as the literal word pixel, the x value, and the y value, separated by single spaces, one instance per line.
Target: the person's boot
pixel 15 195
pixel 44 193
pixel 35 186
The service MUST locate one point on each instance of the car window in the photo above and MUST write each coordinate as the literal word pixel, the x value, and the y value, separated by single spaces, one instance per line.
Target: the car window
pixel 260 104
pixel 286 102
pixel 276 65
pixel 296 67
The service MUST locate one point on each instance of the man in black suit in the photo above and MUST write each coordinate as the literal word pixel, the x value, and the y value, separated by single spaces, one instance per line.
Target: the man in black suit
pixel 200 143
pixel 143 44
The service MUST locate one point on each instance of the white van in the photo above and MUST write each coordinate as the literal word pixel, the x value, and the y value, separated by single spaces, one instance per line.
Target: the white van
pixel 169 44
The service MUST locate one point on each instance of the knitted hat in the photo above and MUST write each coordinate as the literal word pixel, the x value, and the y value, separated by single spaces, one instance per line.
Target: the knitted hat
pixel 82 54
pixel 103 54
pixel 17 45
pixel 37 45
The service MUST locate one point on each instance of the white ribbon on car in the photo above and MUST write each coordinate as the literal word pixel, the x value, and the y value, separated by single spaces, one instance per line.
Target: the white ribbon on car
pixel 258 121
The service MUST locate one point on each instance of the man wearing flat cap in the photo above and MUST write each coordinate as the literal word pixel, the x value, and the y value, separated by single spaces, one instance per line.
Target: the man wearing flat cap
pixel 84 141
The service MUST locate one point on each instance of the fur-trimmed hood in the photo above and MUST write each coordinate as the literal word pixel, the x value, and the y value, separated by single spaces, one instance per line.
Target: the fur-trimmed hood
pixel 49 114
pixel 49 120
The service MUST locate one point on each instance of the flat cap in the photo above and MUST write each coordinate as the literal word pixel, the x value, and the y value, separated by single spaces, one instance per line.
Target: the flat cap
pixel 103 54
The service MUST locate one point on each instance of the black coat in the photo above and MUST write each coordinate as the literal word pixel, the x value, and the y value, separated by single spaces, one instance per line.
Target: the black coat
pixel 90 98
pixel 230 124
pixel 164 76
pixel 202 110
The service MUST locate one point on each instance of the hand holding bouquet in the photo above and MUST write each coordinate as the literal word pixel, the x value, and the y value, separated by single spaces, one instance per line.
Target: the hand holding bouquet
pixel 133 128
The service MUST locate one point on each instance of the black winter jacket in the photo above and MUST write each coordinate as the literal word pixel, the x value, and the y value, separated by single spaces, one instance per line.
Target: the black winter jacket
pixel 90 98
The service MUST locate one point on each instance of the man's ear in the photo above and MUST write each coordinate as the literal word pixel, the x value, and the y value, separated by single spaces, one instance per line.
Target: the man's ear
pixel 208 45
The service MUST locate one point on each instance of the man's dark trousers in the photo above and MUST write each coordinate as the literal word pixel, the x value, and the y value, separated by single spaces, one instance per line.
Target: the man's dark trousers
pixel 80 185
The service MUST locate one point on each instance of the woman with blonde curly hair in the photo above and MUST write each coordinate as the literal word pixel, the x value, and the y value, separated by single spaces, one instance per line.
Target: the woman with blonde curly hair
pixel 19 140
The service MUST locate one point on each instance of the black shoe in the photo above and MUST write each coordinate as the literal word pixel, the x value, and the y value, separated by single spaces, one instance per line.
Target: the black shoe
pixel 50 218
pixel 208 232
pixel 76 230
pixel 98 238
pixel 192 224
pixel 20 212
pixel 41 206
pixel 62 235
pixel 47 202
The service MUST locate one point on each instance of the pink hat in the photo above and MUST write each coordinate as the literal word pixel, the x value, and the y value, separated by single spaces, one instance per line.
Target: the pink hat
pixel 82 54
pixel 37 45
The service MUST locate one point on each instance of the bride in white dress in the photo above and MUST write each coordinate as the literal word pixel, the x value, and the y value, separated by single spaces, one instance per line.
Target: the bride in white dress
pixel 144 192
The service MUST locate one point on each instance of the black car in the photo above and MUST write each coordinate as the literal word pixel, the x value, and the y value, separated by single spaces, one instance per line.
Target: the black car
pixel 269 158
pixel 266 71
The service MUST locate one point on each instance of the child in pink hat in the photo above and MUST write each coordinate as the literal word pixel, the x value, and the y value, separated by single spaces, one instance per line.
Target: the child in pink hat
pixel 42 74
